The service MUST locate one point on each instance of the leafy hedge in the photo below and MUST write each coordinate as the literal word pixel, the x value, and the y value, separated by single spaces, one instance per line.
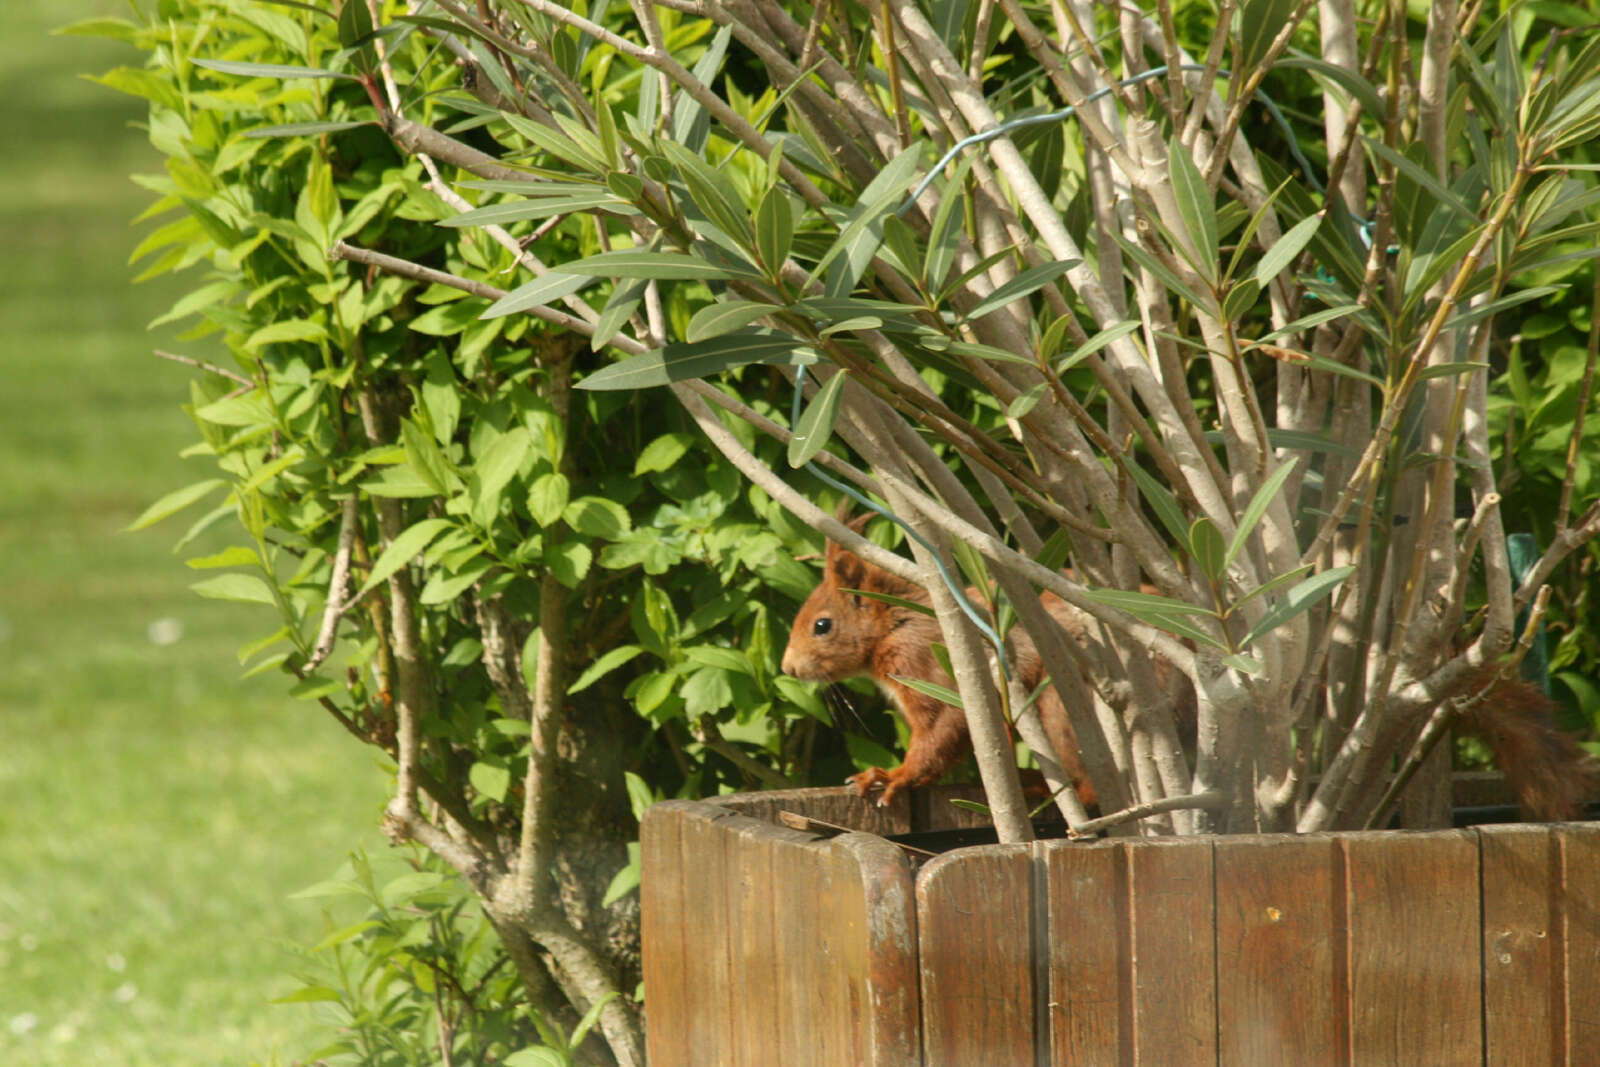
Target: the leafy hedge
pixel 552 585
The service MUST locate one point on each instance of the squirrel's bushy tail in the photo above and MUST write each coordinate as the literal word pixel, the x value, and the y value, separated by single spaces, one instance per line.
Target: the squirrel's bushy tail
pixel 1550 773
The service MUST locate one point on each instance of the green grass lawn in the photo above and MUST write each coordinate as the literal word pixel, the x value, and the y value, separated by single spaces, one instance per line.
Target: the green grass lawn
pixel 155 811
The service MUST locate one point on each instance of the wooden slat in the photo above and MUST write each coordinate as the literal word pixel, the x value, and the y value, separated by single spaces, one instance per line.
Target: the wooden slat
pixel 1088 969
pixel 1171 916
pixel 880 934
pixel 1579 858
pixel 755 973
pixel 663 902
pixel 708 1024
pixel 1278 933
pixel 839 806
pixel 803 945
pixel 1523 998
pixel 974 932
pixel 1415 970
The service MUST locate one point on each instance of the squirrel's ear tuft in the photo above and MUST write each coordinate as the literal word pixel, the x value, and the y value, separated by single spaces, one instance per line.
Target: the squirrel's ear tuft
pixel 849 569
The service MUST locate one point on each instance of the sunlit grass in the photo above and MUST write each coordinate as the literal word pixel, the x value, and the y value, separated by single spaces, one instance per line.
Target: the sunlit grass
pixel 155 812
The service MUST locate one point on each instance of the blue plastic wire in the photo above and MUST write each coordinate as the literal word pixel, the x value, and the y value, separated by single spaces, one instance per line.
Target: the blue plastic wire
pixel 1067 112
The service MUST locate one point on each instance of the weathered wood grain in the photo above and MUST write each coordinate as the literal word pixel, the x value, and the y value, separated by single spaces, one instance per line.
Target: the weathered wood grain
pixel 1523 996
pixel 1280 951
pixel 1416 982
pixel 1171 917
pixel 1579 865
pixel 1089 969
pixel 882 928
pixel 975 938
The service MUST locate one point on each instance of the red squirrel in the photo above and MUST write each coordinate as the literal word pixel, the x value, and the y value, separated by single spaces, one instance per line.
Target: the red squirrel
pixel 839 635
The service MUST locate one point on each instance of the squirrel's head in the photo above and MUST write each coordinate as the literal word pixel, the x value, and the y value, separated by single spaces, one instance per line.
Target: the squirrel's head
pixel 836 631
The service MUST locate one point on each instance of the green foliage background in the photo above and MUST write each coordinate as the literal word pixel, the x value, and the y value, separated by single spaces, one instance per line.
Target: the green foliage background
pixel 440 435
pixel 155 811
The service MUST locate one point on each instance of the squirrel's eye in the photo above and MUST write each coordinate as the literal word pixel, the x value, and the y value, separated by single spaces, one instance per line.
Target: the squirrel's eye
pixel 822 626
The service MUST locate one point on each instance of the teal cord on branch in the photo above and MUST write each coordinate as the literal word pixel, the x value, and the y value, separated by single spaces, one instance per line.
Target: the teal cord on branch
pixel 1523 551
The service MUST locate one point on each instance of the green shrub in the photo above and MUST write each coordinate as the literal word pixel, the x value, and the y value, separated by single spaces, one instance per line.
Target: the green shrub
pixel 1132 332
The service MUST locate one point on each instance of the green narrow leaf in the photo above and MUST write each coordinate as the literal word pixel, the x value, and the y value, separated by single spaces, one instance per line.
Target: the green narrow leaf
pixel 859 238
pixel 173 502
pixel 1197 207
pixel 1025 402
pixel 634 263
pixel 1239 299
pixel 725 316
pixel 938 692
pixel 402 550
pixel 305 129
pixel 774 229
pixel 683 361
pixel 541 291
pixel 1024 284
pixel 1422 177
pixel 1163 613
pixel 1301 598
pixel 1205 545
pixel 1259 23
pixel 624 299
pixel 1306 322
pixel 1097 342
pixel 1272 585
pixel 269 70
pixel 1164 275
pixel 1258 507
pixel 1284 251
pixel 233 556
pixel 811 433
pixel 247 588
pixel 1348 80
pixel 604 666
pixel 897 601
pixel 1163 503
pixel 712 193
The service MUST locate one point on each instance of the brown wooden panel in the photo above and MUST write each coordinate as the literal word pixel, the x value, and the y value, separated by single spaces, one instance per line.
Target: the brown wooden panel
pixel 974 931
pixel 1523 999
pixel 931 807
pixel 839 806
pixel 707 1026
pixel 1579 856
pixel 1278 932
pixel 1088 968
pixel 755 971
pixel 804 947
pixel 1415 970
pixel 1171 919
pixel 662 906
pixel 879 928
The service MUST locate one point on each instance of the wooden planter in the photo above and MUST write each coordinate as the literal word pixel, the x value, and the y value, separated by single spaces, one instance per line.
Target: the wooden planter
pixel 765 945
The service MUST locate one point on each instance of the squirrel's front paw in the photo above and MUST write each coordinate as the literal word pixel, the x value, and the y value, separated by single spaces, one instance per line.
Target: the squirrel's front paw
pixel 891 782
pixel 868 780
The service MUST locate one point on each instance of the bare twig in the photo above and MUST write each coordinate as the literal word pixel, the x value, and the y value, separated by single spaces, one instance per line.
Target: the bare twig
pixel 210 368
pixel 1209 801
pixel 337 583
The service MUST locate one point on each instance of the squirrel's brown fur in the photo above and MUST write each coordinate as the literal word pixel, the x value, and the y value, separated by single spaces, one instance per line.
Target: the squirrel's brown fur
pixel 1551 776
pixel 839 635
